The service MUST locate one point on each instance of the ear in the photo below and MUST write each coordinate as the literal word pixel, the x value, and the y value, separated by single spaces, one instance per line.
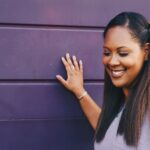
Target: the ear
pixel 146 50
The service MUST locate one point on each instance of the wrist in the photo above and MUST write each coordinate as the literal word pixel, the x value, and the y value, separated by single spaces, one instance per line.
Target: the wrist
pixel 82 96
pixel 79 92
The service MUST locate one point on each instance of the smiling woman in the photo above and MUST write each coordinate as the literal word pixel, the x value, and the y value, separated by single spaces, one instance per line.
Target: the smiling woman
pixel 124 119
pixel 123 56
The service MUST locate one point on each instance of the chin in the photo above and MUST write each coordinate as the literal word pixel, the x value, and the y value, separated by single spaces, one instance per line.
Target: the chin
pixel 118 85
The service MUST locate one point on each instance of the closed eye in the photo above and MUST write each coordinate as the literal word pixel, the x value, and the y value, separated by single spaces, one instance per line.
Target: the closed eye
pixel 106 53
pixel 123 54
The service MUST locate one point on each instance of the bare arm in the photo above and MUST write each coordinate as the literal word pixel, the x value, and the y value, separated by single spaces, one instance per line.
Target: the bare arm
pixel 74 83
pixel 91 110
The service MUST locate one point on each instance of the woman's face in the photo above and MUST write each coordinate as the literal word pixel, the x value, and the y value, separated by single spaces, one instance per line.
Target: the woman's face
pixel 122 56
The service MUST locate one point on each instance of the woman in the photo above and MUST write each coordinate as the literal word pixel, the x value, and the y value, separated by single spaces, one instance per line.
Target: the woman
pixel 123 122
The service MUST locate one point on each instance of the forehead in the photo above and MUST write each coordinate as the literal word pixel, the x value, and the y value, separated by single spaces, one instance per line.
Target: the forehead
pixel 119 36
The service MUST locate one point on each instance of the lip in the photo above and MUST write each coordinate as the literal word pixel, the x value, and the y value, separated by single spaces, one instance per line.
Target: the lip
pixel 117 73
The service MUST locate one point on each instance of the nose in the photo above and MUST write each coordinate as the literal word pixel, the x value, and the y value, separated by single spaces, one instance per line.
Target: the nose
pixel 114 60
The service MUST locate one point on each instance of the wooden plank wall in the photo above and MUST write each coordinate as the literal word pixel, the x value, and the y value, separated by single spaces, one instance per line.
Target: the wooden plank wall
pixel 36 112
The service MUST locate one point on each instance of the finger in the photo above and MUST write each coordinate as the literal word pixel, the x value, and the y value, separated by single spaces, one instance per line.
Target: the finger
pixel 75 63
pixel 69 70
pixel 81 65
pixel 66 64
pixel 61 79
pixel 69 61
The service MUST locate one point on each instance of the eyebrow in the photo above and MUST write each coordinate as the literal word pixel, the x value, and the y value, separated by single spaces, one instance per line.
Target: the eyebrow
pixel 117 47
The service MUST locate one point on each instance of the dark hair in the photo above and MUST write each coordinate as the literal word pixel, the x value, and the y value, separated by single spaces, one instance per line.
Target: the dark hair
pixel 138 102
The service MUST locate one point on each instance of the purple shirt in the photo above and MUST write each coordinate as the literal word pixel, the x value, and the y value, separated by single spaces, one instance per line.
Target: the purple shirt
pixel 112 141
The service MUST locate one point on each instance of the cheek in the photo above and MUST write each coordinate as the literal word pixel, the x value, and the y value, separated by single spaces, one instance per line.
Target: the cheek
pixel 105 60
pixel 130 62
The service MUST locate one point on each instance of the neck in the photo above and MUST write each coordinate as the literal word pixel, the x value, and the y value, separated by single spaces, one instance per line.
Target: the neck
pixel 126 92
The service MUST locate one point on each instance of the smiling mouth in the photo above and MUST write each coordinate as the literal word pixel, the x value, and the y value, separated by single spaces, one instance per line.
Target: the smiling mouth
pixel 117 73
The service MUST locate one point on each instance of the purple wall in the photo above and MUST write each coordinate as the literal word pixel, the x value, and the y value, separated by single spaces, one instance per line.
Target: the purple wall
pixel 36 112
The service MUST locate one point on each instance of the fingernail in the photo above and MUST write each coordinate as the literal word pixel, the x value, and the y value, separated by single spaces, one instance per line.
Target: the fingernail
pixel 67 54
pixel 74 57
pixel 57 76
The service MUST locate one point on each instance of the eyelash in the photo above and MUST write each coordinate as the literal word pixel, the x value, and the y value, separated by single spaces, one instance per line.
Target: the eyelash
pixel 120 54
pixel 107 53
pixel 123 54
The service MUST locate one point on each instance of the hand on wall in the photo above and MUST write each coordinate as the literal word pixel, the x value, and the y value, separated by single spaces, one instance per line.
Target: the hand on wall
pixel 74 69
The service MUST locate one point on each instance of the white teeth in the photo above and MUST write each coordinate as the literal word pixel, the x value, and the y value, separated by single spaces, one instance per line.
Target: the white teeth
pixel 118 73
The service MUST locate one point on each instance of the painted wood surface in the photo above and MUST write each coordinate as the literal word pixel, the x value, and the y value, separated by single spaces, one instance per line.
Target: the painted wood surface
pixel 42 101
pixel 67 134
pixel 36 112
pixel 67 12
pixel 35 53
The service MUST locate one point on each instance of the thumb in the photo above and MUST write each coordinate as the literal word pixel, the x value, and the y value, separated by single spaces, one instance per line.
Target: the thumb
pixel 61 80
